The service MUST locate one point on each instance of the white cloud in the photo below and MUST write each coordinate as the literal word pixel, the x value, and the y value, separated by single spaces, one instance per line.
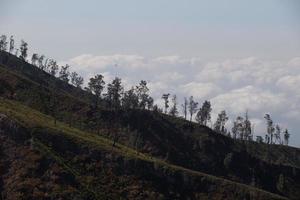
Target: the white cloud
pixel 88 62
pixel 200 90
pixel 235 85
pixel 290 83
pixel 168 60
pixel 295 62
pixel 248 98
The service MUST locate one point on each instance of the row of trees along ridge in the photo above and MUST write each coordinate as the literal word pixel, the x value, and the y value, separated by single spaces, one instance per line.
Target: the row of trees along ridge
pixel 138 98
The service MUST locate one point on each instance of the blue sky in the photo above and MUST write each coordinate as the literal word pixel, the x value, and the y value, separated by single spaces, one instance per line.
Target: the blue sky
pixel 239 54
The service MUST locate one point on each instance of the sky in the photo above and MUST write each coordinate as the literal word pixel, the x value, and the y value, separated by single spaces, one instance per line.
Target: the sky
pixel 239 54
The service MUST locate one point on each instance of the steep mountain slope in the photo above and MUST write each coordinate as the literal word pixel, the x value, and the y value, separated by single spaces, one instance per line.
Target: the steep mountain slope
pixel 39 76
pixel 63 162
pixel 150 136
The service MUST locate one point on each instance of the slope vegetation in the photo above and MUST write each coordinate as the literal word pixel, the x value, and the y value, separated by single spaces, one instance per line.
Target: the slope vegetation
pixel 147 150
pixel 65 162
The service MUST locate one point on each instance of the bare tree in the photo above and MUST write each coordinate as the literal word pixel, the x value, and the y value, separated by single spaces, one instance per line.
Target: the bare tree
pixel 11 44
pixel 185 107
pixel 277 134
pixel 247 128
pixel 270 129
pixel 174 110
pixel 192 106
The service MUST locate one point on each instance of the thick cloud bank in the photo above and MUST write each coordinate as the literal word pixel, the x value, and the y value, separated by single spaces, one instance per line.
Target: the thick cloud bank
pixel 236 85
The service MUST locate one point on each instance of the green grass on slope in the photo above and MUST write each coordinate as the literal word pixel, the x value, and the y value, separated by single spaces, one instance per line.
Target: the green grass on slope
pixel 31 119
pixel 16 76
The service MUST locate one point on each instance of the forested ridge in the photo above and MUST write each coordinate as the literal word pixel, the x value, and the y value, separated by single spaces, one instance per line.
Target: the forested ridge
pixel 102 142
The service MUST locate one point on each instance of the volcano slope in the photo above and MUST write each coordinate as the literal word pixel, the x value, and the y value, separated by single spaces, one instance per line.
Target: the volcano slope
pixel 54 144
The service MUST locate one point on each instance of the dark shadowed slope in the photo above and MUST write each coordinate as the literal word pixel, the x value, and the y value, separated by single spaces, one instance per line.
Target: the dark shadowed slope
pixel 65 162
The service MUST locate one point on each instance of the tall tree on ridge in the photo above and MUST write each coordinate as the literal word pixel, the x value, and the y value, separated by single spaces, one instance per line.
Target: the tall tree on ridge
pixel 270 128
pixel 174 110
pixel 203 115
pixel 247 128
pixel 277 134
pixel 150 102
pixel 219 125
pixel 165 97
pixel 142 93
pixel 238 128
pixel 23 49
pixel 53 67
pixel 3 43
pixel 11 44
pixel 64 73
pixel 34 58
pixel 192 106
pixel 130 99
pixel 17 52
pixel 286 137
pixel 114 93
pixel 185 107
pixel 76 79
pixel 46 65
pixel 96 86
pixel 40 61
